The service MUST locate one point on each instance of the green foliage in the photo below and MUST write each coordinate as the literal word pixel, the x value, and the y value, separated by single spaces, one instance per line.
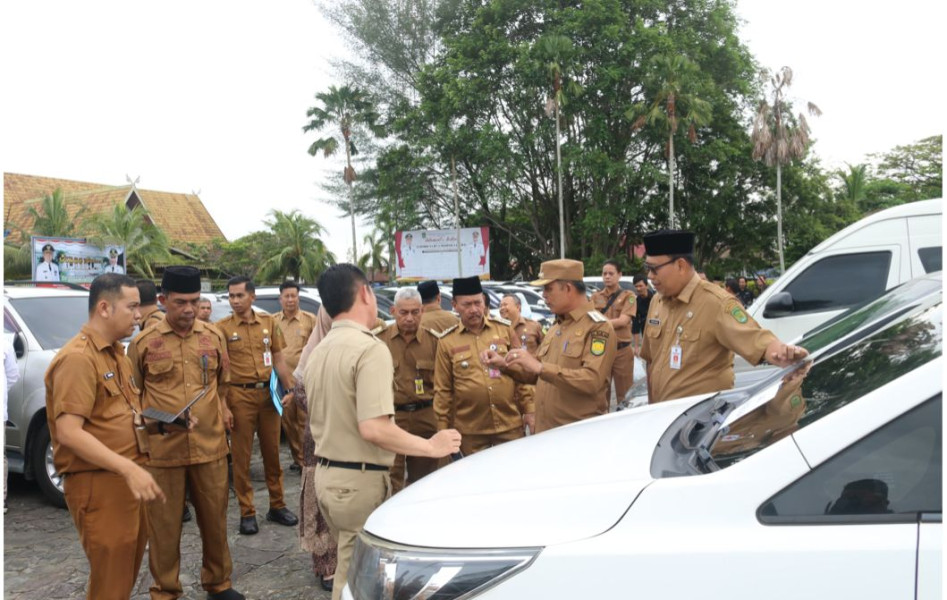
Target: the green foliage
pixel 244 255
pixel 906 174
pixel 53 218
pixel 296 250
pixel 145 244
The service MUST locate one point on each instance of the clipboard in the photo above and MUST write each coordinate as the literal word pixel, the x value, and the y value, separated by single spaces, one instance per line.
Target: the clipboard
pixel 171 418
pixel 276 392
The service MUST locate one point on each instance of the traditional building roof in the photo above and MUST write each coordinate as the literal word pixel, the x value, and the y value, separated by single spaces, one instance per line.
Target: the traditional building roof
pixel 182 217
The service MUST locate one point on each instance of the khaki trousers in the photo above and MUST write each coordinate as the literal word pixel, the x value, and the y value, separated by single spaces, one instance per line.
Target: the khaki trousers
pixel 254 413
pixel 623 373
pixel 346 497
pixel 471 443
pixel 112 529
pixel 209 495
pixel 294 421
pixel 423 423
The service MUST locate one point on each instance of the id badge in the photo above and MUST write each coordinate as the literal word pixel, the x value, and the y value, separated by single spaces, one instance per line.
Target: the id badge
pixel 267 359
pixel 676 355
pixel 494 373
pixel 419 386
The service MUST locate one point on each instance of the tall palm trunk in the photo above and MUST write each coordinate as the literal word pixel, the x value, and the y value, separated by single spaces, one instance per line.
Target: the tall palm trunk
pixel 562 217
pixel 671 180
pixel 348 181
pixel 779 217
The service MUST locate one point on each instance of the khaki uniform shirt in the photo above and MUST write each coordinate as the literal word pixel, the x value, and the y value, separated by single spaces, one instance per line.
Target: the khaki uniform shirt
pixel 296 331
pixel 708 325
pixel 624 304
pixel 92 378
pixel 465 396
pixel 437 319
pixel 528 333
pixel 413 361
pixel 150 316
pixel 577 355
pixel 348 379
pixel 171 370
pixel 246 343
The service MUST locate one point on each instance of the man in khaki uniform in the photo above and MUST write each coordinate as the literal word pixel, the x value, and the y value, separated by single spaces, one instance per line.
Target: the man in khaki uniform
pixel 486 405
pixel 296 325
pixel 350 389
pixel 172 362
pixel 204 310
pixel 528 333
pixel 255 347
pixel 150 313
pixel 694 327
pixel 412 351
pixel 618 306
pixel 433 316
pixel 94 416
pixel 575 358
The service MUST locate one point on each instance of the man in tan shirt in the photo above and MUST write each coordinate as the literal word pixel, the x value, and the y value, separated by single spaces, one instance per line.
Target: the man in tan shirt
pixel 296 325
pixel 412 351
pixel 94 416
pixel 254 347
pixel 529 333
pixel 434 317
pixel 575 358
pixel 150 313
pixel 694 327
pixel 480 401
pixel 349 384
pixel 173 362
pixel 618 306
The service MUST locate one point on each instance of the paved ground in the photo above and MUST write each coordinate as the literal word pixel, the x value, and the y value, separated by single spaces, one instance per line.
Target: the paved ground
pixel 43 559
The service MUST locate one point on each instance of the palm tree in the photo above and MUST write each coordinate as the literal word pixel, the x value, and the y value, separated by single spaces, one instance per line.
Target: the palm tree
pixel 53 218
pixel 344 108
pixel 144 243
pixel 853 183
pixel 778 140
pixel 301 254
pixel 375 259
pixel 672 106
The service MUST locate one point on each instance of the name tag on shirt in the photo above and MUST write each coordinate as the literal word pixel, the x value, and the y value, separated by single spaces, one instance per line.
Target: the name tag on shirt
pixel 676 355
pixel 418 386
pixel 267 359
pixel 494 373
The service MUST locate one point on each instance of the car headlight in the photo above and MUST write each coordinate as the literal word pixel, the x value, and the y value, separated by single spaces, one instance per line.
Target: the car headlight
pixel 381 570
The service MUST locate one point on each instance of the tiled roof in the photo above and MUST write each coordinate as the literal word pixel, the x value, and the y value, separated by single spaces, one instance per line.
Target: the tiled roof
pixel 182 217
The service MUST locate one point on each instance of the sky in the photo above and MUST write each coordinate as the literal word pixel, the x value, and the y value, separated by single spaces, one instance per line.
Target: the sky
pixel 210 97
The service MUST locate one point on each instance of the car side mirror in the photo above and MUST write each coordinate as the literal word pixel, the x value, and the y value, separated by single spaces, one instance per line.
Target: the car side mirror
pixel 19 346
pixel 780 305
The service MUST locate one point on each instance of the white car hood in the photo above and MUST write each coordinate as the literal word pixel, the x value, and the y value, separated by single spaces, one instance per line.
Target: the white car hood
pixel 567 484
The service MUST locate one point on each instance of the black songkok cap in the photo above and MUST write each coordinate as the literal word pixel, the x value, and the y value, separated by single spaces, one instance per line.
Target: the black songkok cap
pixel 467 286
pixel 669 241
pixel 180 279
pixel 428 291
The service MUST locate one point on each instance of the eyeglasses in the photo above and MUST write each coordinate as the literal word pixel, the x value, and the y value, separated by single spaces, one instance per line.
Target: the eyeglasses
pixel 654 268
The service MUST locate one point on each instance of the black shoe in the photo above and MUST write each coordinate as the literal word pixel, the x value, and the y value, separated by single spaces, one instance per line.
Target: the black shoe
pixel 187 514
pixel 248 525
pixel 283 516
pixel 295 469
pixel 228 594
pixel 325 583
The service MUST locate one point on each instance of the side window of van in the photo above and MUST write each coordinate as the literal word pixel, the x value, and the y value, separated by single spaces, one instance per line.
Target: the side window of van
pixel 840 281
pixel 931 258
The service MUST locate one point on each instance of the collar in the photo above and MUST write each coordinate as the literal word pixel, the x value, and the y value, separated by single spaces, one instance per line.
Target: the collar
pixel 578 312
pixel 515 324
pixel 240 319
pixel 487 324
pixel 98 341
pixel 281 315
pixel 397 333
pixel 688 292
pixel 349 324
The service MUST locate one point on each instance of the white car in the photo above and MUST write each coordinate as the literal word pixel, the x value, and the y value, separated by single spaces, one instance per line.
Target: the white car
pixel 821 481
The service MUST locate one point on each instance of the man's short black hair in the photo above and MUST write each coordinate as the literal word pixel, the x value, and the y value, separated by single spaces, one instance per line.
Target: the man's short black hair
pixel 338 286
pixel 148 291
pixel 516 299
pixel 251 289
pixel 732 285
pixel 578 285
pixel 689 258
pixel 613 263
pixel 640 277
pixel 108 286
pixel 289 283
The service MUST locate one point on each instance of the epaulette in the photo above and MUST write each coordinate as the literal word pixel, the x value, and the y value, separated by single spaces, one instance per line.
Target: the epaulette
pixel 379 329
pixel 442 334
pixel 597 316
pixel 503 321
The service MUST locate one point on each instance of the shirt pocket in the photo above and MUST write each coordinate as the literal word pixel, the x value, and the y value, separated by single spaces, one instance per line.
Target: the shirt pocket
pixel 114 400
pixel 160 369
pixel 463 365
pixel 426 366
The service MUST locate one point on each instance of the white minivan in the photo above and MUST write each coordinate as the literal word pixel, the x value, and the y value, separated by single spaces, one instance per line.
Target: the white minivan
pixel 855 265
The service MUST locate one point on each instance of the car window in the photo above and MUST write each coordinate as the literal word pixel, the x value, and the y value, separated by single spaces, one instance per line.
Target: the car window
pixel 931 258
pixel 53 321
pixel 894 471
pixel 309 304
pixel 840 282
pixel 269 304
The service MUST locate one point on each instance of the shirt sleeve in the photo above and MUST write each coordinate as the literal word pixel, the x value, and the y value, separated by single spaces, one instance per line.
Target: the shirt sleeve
pixel 443 386
pixel 738 332
pixel 73 386
pixel 374 395
pixel 645 353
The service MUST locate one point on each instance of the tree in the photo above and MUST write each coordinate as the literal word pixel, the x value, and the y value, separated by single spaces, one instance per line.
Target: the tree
pixel 344 108
pixel 376 258
pixel 778 139
pixel 144 243
pixel 298 253
pixel 53 218
pixel 673 105
pixel 917 168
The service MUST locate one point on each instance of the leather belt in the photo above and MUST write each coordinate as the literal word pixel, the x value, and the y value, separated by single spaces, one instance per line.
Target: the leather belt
pixel 258 385
pixel 325 462
pixel 622 345
pixel 413 406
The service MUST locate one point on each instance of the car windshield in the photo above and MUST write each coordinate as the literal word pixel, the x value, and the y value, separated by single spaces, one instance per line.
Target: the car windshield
pixel 53 320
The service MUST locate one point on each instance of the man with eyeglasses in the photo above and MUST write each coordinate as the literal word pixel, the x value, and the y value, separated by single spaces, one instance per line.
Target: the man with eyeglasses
pixel 694 327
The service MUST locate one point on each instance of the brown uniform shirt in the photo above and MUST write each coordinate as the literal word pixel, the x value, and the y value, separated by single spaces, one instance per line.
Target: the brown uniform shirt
pixel 413 360
pixel 624 304
pixel 529 333
pixel 296 331
pixel 708 325
pixel 149 316
pixel 246 343
pixel 92 378
pixel 437 319
pixel 170 370
pixel 465 396
pixel 577 355
pixel 348 379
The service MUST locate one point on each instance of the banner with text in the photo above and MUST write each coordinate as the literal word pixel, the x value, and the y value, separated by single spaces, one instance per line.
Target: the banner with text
pixel 73 260
pixel 433 254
